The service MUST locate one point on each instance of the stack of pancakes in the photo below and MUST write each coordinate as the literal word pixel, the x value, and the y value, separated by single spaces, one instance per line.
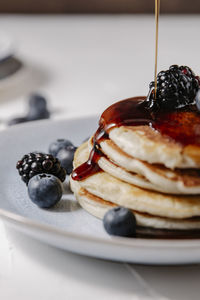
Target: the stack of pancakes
pixel 147 172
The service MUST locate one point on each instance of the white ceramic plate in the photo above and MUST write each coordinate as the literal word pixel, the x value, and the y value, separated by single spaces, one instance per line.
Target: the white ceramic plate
pixel 68 226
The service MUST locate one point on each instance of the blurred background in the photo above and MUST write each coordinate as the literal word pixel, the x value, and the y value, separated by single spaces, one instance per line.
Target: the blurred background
pixel 89 53
pixel 97 6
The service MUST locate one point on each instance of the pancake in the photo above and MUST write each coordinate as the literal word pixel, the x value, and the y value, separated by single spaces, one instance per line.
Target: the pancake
pixel 144 157
pixel 150 145
pixel 113 190
pixel 150 176
pixel 98 207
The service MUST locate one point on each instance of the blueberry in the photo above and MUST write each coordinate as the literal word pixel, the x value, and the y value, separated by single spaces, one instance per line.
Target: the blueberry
pixel 37 108
pixel 197 99
pixel 38 101
pixel 45 190
pixel 120 221
pixel 66 156
pixel 57 145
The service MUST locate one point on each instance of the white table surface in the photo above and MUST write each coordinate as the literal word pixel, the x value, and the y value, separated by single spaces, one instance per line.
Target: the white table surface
pixel 83 64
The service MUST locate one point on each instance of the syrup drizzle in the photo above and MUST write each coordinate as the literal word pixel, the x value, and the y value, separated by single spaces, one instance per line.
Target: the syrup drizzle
pixel 182 125
pixel 157 12
pixel 120 113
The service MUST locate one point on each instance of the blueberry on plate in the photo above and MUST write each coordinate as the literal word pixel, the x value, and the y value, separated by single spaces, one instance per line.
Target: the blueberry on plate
pixel 45 190
pixel 37 108
pixel 120 221
pixel 57 145
pixel 66 156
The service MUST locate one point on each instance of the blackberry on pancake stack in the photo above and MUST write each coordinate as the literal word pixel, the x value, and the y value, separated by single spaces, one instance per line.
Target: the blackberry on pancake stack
pixel 145 156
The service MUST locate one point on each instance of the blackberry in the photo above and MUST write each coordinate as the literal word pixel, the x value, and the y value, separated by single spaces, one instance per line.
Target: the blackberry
pixel 36 163
pixel 176 87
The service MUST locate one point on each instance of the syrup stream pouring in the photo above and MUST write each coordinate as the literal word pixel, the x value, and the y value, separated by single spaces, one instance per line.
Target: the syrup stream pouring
pixel 157 11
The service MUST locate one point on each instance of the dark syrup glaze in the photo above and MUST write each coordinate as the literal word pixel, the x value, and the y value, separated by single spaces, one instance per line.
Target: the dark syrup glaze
pixel 90 167
pixel 120 113
pixel 182 125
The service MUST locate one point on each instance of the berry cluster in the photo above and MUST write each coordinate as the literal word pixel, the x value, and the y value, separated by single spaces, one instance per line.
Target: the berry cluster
pixel 43 173
pixel 176 87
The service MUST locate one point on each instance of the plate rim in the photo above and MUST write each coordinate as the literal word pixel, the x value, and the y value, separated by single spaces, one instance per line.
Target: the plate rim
pixel 113 240
pixel 117 241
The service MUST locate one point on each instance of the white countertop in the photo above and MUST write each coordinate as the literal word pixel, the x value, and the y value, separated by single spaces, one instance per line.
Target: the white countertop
pixel 83 64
